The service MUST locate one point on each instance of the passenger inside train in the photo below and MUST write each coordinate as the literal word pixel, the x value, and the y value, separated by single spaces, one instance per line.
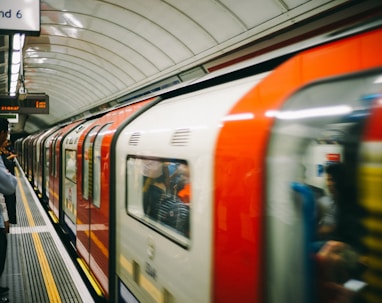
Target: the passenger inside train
pixel 330 137
pixel 328 204
pixel 156 184
pixel 180 182
pixel 341 259
pixel 165 192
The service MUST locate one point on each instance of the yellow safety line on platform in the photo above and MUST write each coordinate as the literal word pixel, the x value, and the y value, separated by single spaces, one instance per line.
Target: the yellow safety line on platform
pixel 50 284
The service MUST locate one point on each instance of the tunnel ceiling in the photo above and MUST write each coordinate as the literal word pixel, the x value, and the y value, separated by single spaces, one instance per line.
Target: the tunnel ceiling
pixel 92 52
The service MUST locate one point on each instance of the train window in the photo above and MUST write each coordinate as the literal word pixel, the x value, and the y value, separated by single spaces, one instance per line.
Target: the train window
pixel 54 167
pixel 70 165
pixel 87 172
pixel 97 166
pixel 159 195
pixel 48 161
pixel 46 170
pixel 315 216
pixel 37 156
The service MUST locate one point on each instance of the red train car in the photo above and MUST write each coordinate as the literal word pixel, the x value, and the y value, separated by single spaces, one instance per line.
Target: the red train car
pixel 256 159
pixel 93 196
pixel 218 192
pixel 56 170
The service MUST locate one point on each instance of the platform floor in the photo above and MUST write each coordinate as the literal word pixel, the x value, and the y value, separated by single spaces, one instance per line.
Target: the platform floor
pixel 38 267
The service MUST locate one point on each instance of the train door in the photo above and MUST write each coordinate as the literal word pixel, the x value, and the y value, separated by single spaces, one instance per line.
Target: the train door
pixel 318 244
pixel 32 157
pixel 84 189
pixel 69 179
pixel 39 167
pixel 48 156
pixel 18 149
pixel 24 153
pixel 36 168
pixel 55 174
pixel 29 157
pixel 41 161
pixel 94 195
pixel 54 155
pixel 99 213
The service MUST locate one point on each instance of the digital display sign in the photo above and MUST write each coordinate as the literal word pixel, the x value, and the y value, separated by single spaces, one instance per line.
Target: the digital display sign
pixel 32 104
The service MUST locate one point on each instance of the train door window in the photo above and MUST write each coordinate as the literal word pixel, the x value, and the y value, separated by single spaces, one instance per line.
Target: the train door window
pixel 48 161
pixel 159 195
pixel 97 169
pixel 315 231
pixel 87 173
pixel 54 158
pixel 42 160
pixel 46 171
pixel 70 165
pixel 36 161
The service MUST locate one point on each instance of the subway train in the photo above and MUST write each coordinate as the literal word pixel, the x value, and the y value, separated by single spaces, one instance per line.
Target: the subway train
pixel 220 192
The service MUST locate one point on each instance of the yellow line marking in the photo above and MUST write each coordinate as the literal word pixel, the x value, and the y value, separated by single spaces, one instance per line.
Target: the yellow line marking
pixel 50 284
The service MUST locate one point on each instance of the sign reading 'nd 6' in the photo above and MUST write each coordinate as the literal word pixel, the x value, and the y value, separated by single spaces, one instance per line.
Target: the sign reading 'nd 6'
pixel 20 16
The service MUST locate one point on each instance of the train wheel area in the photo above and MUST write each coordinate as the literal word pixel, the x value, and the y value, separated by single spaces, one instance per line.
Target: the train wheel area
pixel 38 267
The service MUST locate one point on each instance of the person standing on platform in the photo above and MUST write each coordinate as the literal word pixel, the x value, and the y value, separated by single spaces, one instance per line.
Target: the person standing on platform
pixel 4 229
pixel 9 162
pixel 8 184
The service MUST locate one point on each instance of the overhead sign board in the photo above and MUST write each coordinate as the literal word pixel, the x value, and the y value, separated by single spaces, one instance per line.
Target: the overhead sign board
pixel 32 104
pixel 20 16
